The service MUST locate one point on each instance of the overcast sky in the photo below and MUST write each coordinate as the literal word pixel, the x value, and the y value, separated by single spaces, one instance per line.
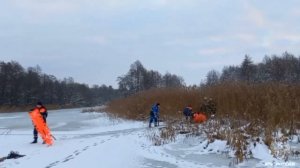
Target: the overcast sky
pixel 95 41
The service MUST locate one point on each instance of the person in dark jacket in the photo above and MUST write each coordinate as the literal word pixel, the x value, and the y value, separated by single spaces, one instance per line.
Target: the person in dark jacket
pixel 209 107
pixel 188 113
pixel 154 115
pixel 43 111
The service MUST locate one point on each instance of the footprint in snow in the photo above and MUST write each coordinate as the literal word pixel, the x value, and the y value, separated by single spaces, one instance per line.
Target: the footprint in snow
pixel 86 148
pixel 76 153
pixel 70 157
pixel 52 164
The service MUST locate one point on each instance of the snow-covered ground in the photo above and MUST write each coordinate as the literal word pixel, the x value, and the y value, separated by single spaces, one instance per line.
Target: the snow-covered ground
pixel 94 140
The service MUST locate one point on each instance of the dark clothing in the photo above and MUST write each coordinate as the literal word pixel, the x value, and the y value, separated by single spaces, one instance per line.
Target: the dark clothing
pixel 152 114
pixel 209 107
pixel 153 119
pixel 212 107
pixel 35 134
pixel 188 113
pixel 11 155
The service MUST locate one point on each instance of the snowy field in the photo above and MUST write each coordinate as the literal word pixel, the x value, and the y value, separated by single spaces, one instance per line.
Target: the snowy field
pixel 93 140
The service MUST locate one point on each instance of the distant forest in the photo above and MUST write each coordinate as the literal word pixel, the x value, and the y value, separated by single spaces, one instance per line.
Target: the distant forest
pixel 283 69
pixel 20 86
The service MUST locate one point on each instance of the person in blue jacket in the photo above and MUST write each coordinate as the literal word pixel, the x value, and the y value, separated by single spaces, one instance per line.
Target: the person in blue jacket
pixel 154 115
pixel 188 113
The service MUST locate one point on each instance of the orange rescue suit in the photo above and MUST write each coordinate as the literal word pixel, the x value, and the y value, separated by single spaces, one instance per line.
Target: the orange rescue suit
pixel 199 118
pixel 41 126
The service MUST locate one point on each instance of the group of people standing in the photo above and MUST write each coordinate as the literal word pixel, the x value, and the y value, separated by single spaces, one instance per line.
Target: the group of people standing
pixel 208 108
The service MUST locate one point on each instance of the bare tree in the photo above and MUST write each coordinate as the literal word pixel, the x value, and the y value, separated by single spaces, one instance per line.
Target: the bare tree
pixel 212 78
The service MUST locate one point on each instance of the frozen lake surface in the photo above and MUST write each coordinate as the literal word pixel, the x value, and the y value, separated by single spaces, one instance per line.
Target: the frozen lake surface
pixel 93 140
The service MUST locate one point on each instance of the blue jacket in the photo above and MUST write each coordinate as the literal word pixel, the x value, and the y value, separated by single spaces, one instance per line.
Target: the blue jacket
pixel 154 110
pixel 187 111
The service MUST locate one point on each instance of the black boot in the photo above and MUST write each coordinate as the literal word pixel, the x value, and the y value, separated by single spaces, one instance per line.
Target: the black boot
pixel 34 141
pixel 35 136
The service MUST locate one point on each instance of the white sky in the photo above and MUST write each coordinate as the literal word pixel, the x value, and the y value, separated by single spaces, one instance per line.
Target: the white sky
pixel 95 41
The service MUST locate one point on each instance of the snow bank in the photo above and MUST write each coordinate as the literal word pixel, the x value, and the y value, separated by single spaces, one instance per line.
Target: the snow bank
pixel 94 140
pixel 262 152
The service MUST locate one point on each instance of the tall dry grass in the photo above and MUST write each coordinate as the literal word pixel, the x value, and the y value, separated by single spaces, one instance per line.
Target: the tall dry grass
pixel 245 112
pixel 270 104
pixel 172 100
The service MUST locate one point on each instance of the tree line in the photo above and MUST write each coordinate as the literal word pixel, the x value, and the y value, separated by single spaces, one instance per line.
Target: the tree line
pixel 25 86
pixel 279 69
pixel 138 78
pixel 20 86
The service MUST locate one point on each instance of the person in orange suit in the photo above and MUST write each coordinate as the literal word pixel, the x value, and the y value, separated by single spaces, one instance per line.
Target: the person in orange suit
pixel 43 111
pixel 199 117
